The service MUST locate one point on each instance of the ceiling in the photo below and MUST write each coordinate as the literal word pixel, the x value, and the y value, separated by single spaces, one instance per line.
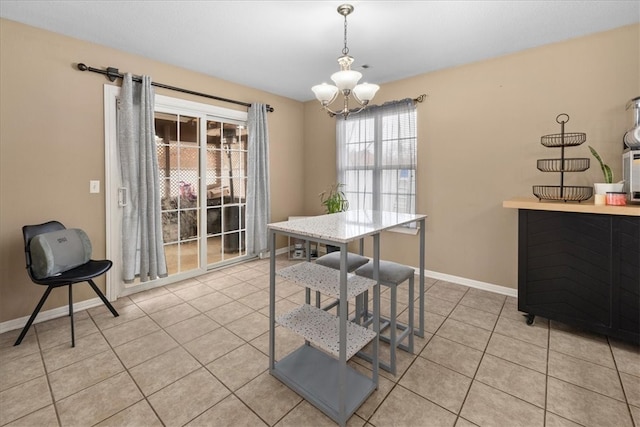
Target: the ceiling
pixel 285 47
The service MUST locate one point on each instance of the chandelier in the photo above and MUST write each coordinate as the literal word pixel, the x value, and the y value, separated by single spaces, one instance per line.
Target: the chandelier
pixel 346 80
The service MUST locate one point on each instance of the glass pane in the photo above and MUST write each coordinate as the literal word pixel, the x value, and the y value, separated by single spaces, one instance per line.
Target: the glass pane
pixel 214 221
pixel 171 253
pixel 230 218
pixel 234 245
pixel 213 134
pixel 189 176
pixel 189 255
pixel 398 190
pixel 388 202
pixel 189 129
pixel 170 226
pixel 231 135
pixel 213 167
pixel 188 224
pixel 243 213
pixel 360 154
pixel 359 189
pixel 214 249
pixel 166 127
pixel 242 137
pixel 238 186
pixel 398 152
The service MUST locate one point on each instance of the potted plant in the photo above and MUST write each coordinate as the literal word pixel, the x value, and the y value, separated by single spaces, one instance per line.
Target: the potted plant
pixel 608 186
pixel 334 201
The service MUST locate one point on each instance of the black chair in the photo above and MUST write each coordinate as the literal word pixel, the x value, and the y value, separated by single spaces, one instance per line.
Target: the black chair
pixel 83 273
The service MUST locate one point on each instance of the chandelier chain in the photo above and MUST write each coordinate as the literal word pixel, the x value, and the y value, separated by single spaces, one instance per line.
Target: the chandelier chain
pixel 345 50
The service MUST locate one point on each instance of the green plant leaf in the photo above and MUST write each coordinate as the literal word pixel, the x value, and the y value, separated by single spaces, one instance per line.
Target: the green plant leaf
pixel 334 200
pixel 608 175
pixel 606 170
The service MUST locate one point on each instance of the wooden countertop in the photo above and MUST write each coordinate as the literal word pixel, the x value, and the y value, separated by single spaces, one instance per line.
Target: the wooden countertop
pixel 583 207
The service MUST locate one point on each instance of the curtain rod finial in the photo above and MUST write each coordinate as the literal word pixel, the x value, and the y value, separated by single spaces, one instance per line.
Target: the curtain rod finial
pixel 82 67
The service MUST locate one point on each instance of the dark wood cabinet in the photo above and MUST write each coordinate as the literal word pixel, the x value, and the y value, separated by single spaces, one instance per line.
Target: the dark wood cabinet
pixel 582 269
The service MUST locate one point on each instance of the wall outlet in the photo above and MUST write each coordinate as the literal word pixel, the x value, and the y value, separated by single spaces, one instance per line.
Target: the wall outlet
pixel 94 186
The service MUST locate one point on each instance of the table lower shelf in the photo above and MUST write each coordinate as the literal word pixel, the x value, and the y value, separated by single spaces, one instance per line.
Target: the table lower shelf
pixel 314 375
pixel 323 330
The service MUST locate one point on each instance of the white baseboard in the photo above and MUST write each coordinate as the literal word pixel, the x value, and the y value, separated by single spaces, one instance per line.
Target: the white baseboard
pixel 490 287
pixel 267 254
pixel 19 323
pixel 471 283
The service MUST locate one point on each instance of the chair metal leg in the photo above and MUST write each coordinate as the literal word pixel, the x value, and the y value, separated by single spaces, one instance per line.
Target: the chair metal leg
pixel 393 343
pixel 411 314
pixel 33 315
pixel 103 298
pixel 73 334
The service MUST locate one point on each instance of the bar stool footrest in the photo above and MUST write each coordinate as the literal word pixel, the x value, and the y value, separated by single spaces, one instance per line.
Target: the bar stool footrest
pixel 382 364
pixel 384 324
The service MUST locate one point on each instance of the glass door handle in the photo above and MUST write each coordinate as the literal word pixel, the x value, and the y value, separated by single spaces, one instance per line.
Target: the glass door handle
pixel 122 197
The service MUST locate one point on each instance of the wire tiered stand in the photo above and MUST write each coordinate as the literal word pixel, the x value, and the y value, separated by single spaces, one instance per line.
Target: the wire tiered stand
pixel 562 165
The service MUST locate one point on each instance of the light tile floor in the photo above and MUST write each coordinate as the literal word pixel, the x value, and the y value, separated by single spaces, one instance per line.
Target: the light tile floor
pixel 195 353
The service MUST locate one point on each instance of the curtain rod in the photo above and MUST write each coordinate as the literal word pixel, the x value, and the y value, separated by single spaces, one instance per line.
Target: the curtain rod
pixel 415 100
pixel 113 74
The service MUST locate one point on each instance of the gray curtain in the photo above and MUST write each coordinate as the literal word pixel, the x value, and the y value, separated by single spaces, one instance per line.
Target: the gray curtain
pixel 142 245
pixel 258 195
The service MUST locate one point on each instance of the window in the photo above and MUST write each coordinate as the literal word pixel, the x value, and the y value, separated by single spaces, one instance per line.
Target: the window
pixel 376 156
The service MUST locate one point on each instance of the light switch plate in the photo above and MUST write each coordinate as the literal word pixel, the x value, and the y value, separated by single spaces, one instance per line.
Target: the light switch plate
pixel 94 186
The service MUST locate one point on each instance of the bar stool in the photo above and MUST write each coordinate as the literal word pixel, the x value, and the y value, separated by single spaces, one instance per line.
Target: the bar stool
pixel 391 274
pixel 332 260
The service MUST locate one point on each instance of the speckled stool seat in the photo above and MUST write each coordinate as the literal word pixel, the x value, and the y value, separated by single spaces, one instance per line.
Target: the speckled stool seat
pixel 392 275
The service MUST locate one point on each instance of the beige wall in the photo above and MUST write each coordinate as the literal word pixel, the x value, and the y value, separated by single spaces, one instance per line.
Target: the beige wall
pixel 479 138
pixel 52 144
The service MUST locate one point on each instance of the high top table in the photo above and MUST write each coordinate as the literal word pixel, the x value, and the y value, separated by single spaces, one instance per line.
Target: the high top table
pixel 322 377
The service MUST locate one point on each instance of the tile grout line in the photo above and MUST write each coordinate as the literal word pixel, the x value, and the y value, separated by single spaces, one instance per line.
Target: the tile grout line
pixel 144 397
pixel 546 375
pixel 46 374
pixel 484 352
pixel 397 383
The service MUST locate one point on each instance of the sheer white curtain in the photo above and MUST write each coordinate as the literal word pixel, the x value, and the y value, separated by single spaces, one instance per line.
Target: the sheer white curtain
pixel 258 196
pixel 376 157
pixel 142 245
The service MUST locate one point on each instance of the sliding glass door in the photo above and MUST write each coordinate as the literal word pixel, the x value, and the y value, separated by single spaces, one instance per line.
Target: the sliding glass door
pixel 201 206
pixel 202 159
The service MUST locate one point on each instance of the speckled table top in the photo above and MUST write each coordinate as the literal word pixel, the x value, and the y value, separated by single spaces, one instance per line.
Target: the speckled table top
pixel 345 227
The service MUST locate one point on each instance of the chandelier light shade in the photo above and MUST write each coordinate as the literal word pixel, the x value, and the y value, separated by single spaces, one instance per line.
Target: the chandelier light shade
pixel 346 80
